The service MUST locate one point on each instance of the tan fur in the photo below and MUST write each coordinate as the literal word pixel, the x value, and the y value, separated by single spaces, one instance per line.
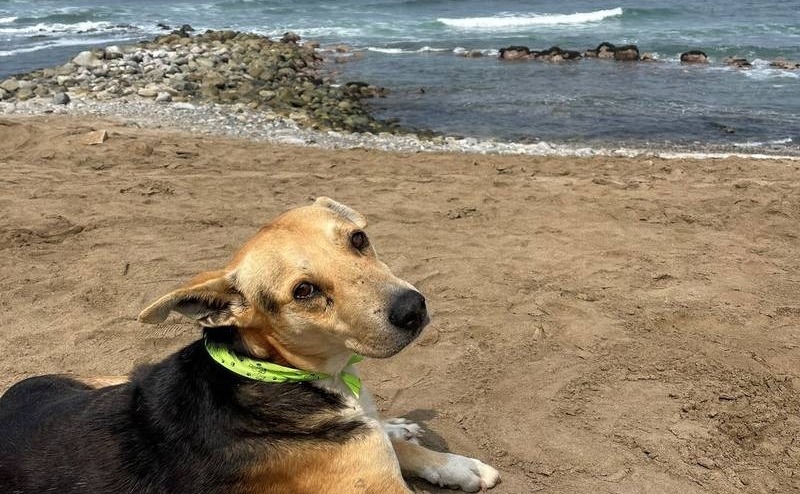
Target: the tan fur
pixel 308 243
pixel 97 382
pixel 413 457
pixel 365 465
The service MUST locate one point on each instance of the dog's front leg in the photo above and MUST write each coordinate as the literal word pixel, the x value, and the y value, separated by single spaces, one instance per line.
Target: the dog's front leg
pixel 444 469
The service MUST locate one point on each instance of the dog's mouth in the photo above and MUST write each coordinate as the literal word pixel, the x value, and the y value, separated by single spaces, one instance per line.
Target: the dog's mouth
pixel 390 340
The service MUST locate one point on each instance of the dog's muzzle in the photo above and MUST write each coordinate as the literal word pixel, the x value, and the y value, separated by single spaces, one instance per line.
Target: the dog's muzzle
pixel 408 311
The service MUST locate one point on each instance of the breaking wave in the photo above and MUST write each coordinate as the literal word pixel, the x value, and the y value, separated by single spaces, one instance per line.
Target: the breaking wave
pixel 521 21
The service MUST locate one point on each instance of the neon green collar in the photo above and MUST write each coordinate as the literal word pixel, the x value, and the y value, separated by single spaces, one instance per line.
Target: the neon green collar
pixel 260 370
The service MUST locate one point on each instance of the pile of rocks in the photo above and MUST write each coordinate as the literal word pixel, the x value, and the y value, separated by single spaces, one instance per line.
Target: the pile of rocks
pixel 217 66
pixel 557 54
pixel 622 53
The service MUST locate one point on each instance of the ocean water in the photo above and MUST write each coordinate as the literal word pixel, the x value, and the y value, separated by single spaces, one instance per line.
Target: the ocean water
pixel 411 47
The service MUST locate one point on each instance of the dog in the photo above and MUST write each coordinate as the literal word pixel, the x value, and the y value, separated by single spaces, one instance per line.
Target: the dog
pixel 269 400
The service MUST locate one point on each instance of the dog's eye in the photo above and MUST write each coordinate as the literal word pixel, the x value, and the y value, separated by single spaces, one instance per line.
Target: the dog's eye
pixel 305 290
pixel 359 240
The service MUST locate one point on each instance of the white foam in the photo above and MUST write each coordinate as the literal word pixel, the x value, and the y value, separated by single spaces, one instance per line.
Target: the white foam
pixel 397 51
pixel 521 21
pixel 489 52
pixel 7 20
pixel 392 51
pixel 340 33
pixel 61 42
pixel 758 144
pixel 77 28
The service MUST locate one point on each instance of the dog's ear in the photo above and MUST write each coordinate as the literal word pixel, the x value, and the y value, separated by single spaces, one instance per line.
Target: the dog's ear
pixel 342 210
pixel 210 299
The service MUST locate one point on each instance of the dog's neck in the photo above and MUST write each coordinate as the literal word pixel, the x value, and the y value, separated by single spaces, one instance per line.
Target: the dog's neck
pixel 266 347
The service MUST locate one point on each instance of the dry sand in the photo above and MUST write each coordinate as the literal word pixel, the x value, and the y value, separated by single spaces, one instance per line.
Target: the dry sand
pixel 599 325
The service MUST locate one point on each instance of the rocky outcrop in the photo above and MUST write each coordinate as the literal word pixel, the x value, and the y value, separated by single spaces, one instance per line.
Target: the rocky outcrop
pixel 738 62
pixel 627 53
pixel 515 53
pixel 223 67
pixel 785 65
pixel 694 56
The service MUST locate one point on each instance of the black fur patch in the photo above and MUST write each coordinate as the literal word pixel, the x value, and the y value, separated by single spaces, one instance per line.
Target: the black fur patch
pixel 183 425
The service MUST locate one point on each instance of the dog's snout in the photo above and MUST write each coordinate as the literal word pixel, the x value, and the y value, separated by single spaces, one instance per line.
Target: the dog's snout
pixel 408 310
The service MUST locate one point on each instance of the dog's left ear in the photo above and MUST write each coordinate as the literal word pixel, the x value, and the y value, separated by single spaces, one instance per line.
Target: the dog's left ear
pixel 210 299
pixel 344 211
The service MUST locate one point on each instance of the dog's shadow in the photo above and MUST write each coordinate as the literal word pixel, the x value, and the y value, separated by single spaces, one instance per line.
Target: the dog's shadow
pixel 430 440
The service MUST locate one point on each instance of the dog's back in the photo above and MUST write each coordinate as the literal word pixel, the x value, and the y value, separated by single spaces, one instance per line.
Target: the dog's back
pixel 42 425
pixel 183 425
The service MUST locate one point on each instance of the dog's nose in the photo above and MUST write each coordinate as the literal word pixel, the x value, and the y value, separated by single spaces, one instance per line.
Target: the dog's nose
pixel 408 311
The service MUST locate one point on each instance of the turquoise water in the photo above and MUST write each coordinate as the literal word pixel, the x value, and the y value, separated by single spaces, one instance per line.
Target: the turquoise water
pixel 412 45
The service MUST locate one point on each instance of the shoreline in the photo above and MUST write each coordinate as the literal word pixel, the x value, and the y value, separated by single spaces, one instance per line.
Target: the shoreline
pixel 227 83
pixel 236 121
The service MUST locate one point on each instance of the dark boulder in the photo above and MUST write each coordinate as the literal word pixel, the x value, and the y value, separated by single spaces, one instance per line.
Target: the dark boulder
pixel 605 50
pixel 785 64
pixel 626 53
pixel 515 53
pixel 694 56
pixel 183 31
pixel 290 37
pixel 738 62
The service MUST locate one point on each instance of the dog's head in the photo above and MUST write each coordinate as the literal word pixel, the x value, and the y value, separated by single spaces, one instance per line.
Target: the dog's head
pixel 308 286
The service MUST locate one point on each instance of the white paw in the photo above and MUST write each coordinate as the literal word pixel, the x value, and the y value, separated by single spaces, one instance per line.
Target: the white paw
pixel 400 428
pixel 467 474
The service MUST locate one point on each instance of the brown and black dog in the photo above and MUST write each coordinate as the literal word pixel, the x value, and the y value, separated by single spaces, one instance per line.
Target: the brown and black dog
pixel 307 292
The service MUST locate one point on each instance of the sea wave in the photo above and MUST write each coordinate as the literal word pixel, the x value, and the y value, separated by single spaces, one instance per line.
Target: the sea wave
pixel 62 42
pixel 758 144
pixel 397 51
pixel 521 21
pixel 489 52
pixel 57 28
pixel 8 20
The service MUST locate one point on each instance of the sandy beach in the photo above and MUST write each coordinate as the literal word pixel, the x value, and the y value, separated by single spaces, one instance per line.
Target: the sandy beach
pixel 600 324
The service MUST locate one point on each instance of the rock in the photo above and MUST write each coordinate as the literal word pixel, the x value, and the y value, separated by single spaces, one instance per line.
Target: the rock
pixel 472 54
pixel 41 91
pixel 590 54
pixel 182 32
pixel 113 53
pixel 4 94
pixel 60 98
pixel 24 93
pixel 515 53
pixel 738 62
pixel 605 50
pixel 10 85
pixel 648 57
pixel 64 80
pixel 290 37
pixel 87 59
pixel 146 92
pixel 163 97
pixel 163 26
pixel 627 53
pixel 342 48
pixel 694 56
pixel 95 137
pixel 785 64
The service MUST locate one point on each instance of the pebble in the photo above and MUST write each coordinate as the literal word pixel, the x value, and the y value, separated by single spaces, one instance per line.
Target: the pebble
pixel 60 99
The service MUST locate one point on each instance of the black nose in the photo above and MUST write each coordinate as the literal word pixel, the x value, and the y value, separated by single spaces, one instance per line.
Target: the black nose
pixel 408 311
